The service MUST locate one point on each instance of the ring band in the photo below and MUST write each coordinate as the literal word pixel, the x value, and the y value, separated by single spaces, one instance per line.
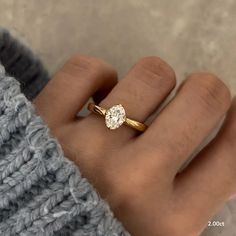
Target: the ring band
pixel 115 117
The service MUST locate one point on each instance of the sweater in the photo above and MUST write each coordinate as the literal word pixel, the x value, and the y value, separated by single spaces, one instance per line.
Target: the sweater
pixel 41 191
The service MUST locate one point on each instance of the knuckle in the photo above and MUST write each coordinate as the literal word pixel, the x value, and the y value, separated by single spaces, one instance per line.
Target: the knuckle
pixel 91 65
pixel 153 70
pixel 83 62
pixel 212 91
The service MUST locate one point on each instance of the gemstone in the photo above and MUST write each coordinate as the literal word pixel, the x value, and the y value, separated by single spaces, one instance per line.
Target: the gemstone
pixel 115 116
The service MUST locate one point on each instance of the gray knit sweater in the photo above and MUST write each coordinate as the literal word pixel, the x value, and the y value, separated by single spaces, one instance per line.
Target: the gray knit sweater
pixel 41 192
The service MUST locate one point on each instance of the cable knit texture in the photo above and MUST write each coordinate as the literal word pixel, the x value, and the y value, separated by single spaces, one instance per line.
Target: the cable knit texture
pixel 41 192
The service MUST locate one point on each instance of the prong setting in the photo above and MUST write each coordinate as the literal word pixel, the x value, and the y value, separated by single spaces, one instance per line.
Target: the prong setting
pixel 115 117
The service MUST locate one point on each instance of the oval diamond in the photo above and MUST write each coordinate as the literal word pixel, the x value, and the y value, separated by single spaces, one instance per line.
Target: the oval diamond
pixel 115 116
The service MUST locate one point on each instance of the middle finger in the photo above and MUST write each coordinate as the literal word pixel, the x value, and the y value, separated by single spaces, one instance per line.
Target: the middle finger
pixel 188 119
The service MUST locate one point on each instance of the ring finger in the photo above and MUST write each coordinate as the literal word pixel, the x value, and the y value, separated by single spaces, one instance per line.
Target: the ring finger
pixel 141 91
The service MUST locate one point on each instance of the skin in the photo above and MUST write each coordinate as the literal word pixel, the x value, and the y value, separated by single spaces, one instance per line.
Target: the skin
pixel 138 173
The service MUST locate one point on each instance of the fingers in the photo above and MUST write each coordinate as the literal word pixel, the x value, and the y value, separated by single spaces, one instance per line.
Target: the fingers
pixel 72 86
pixel 143 88
pixel 210 179
pixel 188 118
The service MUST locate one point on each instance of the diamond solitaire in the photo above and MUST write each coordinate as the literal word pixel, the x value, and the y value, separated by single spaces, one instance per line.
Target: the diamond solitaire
pixel 115 116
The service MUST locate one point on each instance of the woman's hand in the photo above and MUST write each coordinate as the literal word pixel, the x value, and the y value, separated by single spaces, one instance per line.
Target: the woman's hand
pixel 137 173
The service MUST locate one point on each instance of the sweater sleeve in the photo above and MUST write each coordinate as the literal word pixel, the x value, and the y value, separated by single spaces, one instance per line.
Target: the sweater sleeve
pixel 20 62
pixel 42 192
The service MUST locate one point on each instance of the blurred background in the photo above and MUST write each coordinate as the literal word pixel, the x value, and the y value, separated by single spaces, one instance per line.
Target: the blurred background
pixel 190 35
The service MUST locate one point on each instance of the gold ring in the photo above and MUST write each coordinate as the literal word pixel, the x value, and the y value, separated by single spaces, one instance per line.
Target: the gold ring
pixel 115 117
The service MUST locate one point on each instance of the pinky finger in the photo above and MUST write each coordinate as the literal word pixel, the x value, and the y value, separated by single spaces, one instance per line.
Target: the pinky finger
pixel 210 180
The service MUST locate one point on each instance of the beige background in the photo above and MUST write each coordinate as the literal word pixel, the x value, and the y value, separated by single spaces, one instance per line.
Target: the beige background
pixel 191 35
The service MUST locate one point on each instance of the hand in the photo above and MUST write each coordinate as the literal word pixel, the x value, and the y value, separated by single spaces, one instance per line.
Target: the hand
pixel 137 173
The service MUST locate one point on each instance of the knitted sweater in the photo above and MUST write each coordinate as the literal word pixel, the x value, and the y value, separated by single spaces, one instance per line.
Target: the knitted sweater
pixel 41 192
